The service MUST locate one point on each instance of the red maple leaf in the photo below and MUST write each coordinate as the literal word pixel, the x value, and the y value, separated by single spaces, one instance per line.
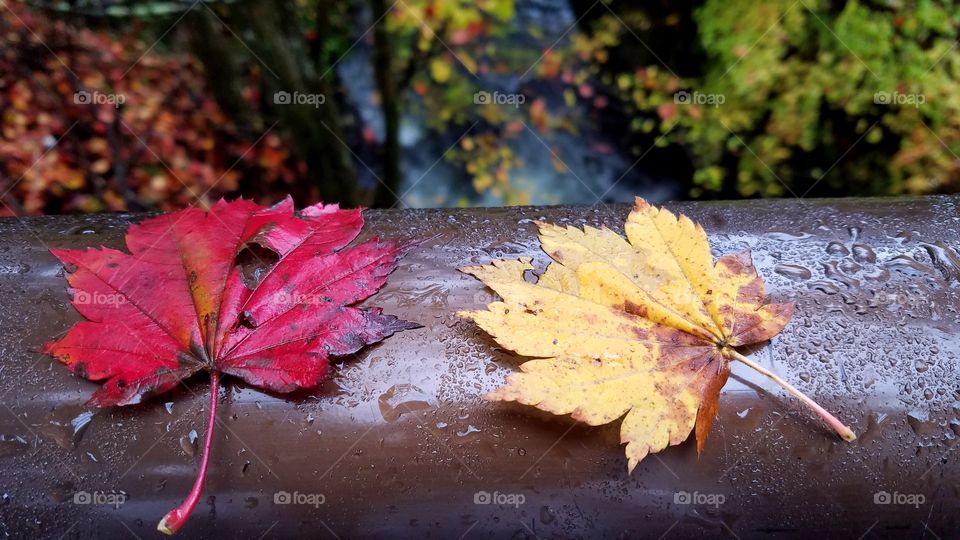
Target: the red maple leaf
pixel 262 294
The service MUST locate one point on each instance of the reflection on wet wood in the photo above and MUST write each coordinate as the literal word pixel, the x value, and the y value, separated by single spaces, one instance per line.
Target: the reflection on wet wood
pixel 399 444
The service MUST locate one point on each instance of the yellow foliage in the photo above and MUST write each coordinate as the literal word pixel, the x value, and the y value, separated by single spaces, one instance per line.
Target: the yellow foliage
pixel 640 327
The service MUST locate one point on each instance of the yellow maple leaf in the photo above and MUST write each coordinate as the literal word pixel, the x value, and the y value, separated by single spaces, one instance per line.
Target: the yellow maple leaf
pixel 642 327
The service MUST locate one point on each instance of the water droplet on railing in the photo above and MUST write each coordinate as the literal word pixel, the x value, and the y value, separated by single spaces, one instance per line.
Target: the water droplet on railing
pixel 793 271
pixel 470 429
pixel 402 398
pixel 188 443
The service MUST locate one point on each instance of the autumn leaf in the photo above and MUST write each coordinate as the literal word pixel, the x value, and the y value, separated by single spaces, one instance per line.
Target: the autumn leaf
pixel 262 294
pixel 72 149
pixel 642 328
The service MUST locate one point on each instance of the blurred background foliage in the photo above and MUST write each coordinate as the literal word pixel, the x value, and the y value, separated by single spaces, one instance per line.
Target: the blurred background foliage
pixel 123 105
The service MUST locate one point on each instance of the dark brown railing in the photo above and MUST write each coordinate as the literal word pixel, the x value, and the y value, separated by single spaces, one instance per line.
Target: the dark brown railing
pixel 399 443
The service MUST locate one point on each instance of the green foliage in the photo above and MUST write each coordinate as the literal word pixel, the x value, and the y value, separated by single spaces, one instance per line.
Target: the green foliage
pixel 749 98
pixel 791 98
pixel 807 97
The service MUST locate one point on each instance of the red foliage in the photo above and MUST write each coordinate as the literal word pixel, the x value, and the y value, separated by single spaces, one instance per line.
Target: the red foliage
pixel 259 293
pixel 94 122
pixel 263 294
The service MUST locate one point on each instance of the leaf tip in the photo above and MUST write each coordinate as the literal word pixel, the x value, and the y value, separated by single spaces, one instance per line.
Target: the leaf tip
pixel 701 443
pixel 49 348
pixel 168 524
pixel 408 325
pixel 466 315
pixel 58 252
pixel 503 393
pixel 469 270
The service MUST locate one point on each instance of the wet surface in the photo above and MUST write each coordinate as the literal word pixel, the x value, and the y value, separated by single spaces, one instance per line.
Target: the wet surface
pixel 398 443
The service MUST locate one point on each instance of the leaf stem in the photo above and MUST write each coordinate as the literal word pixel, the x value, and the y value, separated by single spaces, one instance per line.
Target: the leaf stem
pixel 845 432
pixel 177 517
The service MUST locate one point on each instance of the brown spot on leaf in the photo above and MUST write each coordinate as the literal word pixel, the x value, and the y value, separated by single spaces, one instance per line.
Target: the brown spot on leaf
pixel 635 309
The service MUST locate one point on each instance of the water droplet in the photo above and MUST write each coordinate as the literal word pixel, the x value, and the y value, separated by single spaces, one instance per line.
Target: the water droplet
pixel 470 429
pixel 546 515
pixel 12 444
pixel 79 424
pixel 864 254
pixel 189 443
pixel 402 398
pixel 793 271
pixel 837 248
pixel 921 423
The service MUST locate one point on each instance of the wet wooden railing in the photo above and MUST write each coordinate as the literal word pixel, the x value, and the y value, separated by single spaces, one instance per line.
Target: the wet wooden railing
pixel 399 444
